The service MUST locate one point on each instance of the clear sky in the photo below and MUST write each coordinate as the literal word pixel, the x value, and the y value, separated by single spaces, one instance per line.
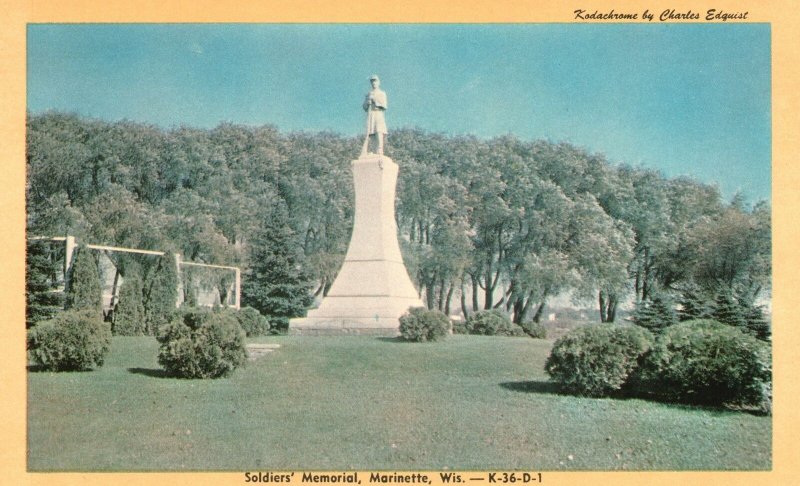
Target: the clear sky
pixel 689 99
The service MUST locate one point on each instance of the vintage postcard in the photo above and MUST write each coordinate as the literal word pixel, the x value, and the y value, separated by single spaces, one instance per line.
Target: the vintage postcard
pixel 438 242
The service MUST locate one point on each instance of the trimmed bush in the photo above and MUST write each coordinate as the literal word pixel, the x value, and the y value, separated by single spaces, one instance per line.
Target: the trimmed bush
pixel 161 293
pixel 129 316
pixel 201 344
pixel 534 329
pixel 420 324
pixel 597 360
pixel 708 362
pixel 493 323
pixel 460 326
pixel 84 290
pixel 73 340
pixel 252 322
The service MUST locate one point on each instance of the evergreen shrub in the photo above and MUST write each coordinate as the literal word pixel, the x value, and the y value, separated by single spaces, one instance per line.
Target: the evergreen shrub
pixel 129 315
pixel 73 340
pixel 200 343
pixel 705 361
pixel 161 293
pixel 534 329
pixel 493 323
pixel 83 289
pixel 41 302
pixel 420 324
pixel 461 326
pixel 252 322
pixel 597 360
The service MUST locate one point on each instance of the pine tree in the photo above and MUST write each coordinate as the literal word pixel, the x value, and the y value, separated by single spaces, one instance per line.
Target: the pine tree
pixel 42 302
pixel 129 316
pixel 694 305
pixel 655 314
pixel 83 284
pixel 161 293
pixel 275 283
pixel 727 310
pixel 757 323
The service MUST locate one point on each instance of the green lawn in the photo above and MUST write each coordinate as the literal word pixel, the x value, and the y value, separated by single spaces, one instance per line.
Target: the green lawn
pixel 470 402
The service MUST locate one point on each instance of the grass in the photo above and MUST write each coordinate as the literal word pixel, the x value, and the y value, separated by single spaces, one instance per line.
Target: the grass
pixel 330 403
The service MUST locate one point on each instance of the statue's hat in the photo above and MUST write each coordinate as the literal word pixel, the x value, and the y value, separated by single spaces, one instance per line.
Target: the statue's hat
pixel 374 76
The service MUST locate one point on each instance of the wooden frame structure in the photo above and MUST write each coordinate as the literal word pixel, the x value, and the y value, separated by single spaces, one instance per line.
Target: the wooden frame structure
pixel 70 245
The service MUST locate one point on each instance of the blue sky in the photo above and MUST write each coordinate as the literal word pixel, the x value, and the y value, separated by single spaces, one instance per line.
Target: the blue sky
pixel 688 99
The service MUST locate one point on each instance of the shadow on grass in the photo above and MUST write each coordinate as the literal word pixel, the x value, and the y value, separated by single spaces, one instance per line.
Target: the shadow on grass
pixel 402 340
pixel 43 369
pixel 545 387
pixel 713 409
pixel 396 339
pixel 153 373
pixel 550 388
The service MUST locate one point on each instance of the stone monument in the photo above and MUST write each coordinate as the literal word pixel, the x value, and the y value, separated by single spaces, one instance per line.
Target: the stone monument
pixel 372 289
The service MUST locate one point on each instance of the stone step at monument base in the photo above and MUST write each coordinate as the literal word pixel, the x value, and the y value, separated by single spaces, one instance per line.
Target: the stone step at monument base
pixel 344 326
pixel 368 315
pixel 257 350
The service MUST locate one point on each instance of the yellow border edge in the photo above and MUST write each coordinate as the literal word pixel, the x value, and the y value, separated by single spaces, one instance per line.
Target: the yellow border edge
pixel 15 15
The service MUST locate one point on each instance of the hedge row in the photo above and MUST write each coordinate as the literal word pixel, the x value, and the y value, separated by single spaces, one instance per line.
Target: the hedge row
pixel 700 361
pixel 496 323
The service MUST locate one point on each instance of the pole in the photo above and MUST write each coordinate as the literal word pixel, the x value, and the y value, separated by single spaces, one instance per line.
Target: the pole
pixel 238 288
pixel 179 284
pixel 69 251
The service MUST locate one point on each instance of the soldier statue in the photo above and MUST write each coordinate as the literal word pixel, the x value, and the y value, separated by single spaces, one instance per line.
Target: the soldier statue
pixel 375 105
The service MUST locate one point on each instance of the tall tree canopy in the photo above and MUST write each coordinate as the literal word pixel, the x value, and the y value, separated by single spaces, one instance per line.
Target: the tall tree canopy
pixel 484 224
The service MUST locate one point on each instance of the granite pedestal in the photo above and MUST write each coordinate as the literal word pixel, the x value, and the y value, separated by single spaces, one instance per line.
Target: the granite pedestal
pixel 372 289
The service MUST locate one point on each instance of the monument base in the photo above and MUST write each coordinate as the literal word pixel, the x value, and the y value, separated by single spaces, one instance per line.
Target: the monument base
pixel 343 326
pixel 372 289
pixel 355 315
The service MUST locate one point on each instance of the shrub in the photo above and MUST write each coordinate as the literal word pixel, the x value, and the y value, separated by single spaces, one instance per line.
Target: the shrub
pixel 83 290
pixel 460 326
pixel 597 360
pixel 252 322
pixel 161 293
pixel 41 267
pixel 705 361
pixel 73 340
pixel 201 344
pixel 493 323
pixel 534 329
pixel 420 324
pixel 129 317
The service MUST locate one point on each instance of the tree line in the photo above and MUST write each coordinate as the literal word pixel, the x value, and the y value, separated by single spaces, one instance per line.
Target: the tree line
pixel 497 223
